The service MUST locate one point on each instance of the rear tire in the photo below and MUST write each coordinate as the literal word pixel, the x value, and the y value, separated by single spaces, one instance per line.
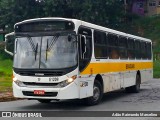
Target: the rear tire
pixel 44 101
pixel 136 87
pixel 97 94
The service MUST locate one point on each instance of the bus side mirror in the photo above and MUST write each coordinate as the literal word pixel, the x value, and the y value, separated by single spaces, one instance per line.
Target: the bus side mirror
pixel 69 38
pixel 72 38
pixel 9 45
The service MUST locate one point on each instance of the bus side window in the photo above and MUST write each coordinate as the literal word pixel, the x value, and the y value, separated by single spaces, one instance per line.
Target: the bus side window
pixel 149 54
pixel 123 47
pixel 138 49
pixel 114 54
pixel 143 50
pixel 100 45
pixel 113 46
pixel 131 48
pixel 87 54
pixel 85 47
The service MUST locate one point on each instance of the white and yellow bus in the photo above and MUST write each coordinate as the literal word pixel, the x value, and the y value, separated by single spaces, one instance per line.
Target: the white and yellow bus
pixel 59 58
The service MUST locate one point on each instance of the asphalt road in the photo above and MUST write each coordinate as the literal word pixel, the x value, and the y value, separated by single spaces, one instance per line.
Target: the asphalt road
pixel 147 100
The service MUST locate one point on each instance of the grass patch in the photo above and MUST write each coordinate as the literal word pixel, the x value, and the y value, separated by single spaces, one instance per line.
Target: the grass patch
pixel 156 69
pixel 6 75
pixel 5 84
pixel 5 71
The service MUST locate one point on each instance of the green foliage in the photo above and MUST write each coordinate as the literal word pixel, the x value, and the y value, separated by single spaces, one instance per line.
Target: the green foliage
pixel 102 12
pixel 148 27
pixel 3 55
pixel 13 11
pixel 5 70
pixel 156 69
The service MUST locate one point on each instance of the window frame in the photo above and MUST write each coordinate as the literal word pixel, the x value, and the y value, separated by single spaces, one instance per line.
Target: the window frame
pixel 123 47
pixel 85 61
pixel 113 49
pixel 101 44
pixel 131 48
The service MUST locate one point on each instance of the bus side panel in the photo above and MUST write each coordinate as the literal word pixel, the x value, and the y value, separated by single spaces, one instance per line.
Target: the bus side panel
pixel 112 81
pixel 129 78
pixel 106 81
pixel 146 75
pixel 146 71
pixel 117 81
pixel 86 86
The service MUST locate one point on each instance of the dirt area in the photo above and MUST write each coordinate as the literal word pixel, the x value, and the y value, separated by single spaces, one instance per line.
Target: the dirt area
pixel 7 96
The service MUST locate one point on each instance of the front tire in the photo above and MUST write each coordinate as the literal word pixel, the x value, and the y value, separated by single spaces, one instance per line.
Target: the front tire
pixel 97 94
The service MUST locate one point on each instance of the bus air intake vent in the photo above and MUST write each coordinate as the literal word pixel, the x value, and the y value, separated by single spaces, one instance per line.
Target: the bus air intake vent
pixel 40 84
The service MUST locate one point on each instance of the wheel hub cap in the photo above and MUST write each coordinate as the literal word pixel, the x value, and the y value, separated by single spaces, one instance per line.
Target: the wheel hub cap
pixel 96 93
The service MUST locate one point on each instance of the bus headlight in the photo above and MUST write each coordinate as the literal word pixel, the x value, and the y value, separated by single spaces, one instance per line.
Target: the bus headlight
pixel 14 78
pixel 68 81
pixel 18 82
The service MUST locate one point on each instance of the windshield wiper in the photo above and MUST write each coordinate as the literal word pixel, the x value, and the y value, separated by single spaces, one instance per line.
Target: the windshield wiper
pixel 46 49
pixel 31 43
pixel 53 41
pixel 49 47
pixel 36 51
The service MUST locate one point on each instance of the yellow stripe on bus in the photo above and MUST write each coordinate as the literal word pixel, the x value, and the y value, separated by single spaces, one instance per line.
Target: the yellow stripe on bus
pixel 95 68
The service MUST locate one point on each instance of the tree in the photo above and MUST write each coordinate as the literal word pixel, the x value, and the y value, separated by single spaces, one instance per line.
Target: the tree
pixel 13 11
pixel 102 12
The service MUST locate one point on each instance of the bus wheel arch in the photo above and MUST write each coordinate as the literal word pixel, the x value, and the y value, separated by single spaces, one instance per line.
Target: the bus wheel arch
pixel 97 91
pixel 135 88
pixel 139 74
pixel 99 79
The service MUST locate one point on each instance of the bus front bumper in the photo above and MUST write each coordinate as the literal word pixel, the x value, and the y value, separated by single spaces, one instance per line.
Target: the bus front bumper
pixel 71 91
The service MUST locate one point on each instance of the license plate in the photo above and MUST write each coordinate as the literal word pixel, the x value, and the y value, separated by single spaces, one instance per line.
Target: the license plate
pixel 39 92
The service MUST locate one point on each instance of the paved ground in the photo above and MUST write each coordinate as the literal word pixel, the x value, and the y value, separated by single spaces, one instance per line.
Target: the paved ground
pixel 147 100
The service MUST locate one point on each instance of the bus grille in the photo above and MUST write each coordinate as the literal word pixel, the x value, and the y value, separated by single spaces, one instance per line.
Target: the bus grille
pixel 40 84
pixel 47 94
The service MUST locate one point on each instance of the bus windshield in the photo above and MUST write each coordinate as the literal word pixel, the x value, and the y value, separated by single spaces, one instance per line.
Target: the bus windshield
pixel 45 52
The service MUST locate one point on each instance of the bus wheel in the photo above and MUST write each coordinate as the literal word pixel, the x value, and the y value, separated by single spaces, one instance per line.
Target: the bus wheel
pixel 97 94
pixel 44 100
pixel 136 87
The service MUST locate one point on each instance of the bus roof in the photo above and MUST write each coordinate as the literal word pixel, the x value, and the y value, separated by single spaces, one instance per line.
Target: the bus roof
pixel 87 24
